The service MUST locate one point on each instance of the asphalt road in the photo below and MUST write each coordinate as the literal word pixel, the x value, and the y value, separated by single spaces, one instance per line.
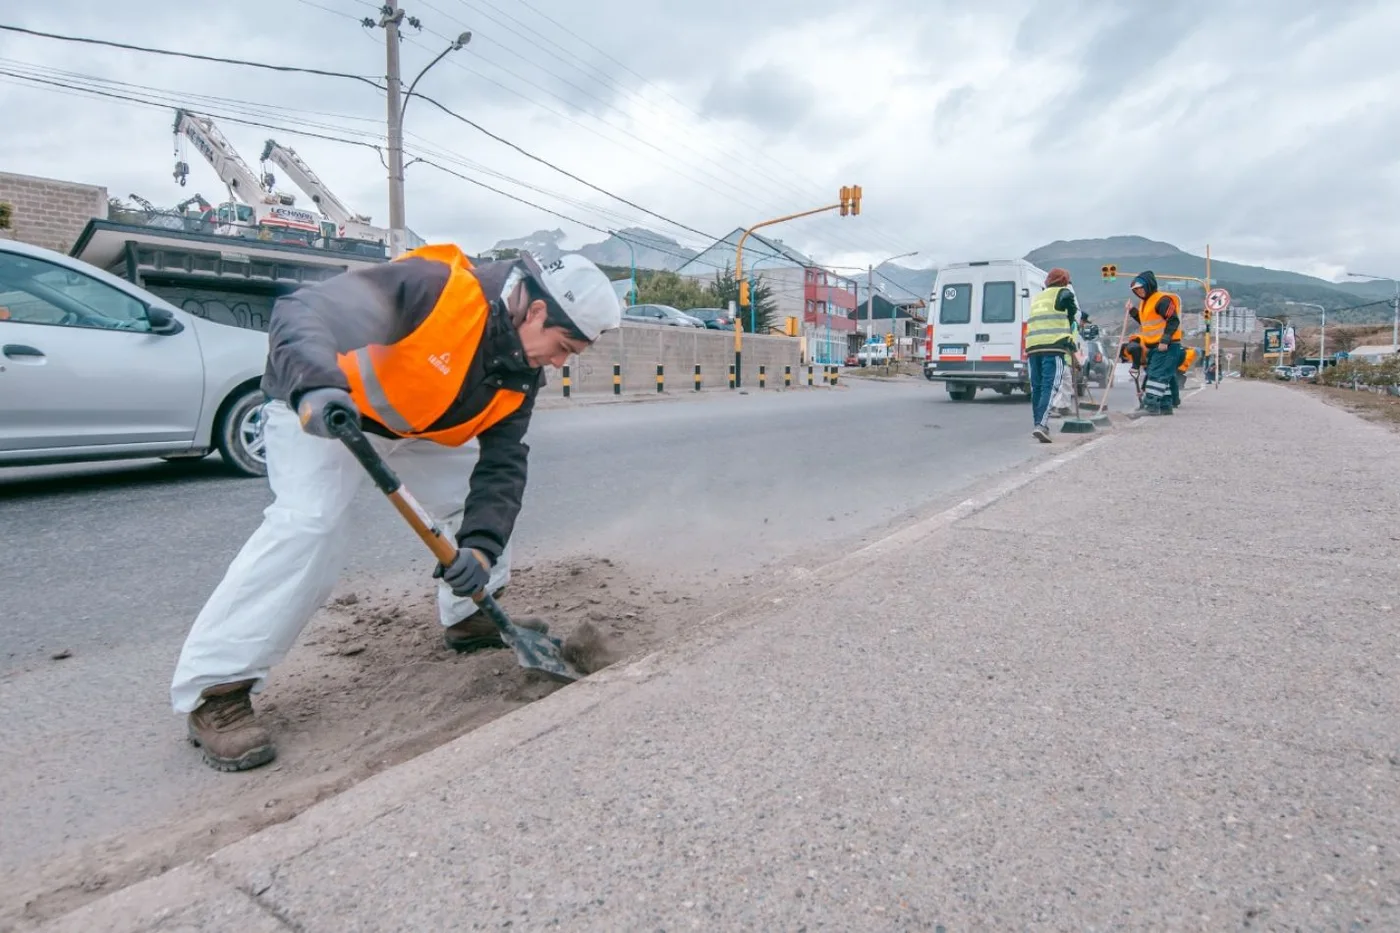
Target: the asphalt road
pixel 112 562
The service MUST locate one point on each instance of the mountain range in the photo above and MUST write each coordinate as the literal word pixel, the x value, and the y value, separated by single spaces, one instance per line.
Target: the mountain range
pixel 652 250
pixel 1266 290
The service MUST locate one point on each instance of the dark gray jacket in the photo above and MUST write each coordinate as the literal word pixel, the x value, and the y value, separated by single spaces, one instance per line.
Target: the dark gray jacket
pixel 382 304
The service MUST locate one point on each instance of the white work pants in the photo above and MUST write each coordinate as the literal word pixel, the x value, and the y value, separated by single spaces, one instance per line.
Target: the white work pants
pixel 289 566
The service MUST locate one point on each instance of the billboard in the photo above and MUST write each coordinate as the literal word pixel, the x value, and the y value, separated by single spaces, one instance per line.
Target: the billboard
pixel 1273 339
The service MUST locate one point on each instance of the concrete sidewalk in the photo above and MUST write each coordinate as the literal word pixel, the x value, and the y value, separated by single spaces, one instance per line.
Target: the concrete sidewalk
pixel 1035 711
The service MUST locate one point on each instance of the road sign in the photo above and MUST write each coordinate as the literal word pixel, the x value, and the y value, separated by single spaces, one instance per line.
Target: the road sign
pixel 1218 300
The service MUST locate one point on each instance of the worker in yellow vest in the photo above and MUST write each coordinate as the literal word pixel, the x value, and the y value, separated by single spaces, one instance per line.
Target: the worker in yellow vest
pixel 1049 341
pixel 441 360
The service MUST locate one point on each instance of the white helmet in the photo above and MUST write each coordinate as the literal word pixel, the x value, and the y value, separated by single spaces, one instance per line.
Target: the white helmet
pixel 581 291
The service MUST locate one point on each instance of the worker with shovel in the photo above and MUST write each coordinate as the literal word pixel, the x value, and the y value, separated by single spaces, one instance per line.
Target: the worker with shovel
pixel 439 362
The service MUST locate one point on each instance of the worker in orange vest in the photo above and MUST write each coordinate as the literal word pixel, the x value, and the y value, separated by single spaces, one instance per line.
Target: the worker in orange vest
pixel 441 360
pixel 1158 320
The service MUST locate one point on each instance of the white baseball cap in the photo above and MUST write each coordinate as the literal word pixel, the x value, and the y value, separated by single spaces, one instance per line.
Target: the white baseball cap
pixel 581 291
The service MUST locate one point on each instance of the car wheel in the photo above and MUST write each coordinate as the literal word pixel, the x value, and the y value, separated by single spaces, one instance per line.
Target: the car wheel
pixel 239 434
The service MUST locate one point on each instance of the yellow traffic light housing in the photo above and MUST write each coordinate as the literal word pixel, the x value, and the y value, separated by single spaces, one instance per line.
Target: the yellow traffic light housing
pixel 790 326
pixel 845 200
pixel 889 340
pixel 744 293
pixel 855 199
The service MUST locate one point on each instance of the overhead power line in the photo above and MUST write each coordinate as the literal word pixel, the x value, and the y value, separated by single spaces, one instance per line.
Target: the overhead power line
pixel 565 172
pixel 194 55
pixel 447 110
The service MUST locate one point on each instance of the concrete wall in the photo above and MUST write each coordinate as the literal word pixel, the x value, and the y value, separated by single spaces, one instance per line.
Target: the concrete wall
pixel 48 212
pixel 639 347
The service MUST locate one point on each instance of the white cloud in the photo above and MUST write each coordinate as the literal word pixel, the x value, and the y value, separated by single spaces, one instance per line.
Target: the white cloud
pixel 1267 130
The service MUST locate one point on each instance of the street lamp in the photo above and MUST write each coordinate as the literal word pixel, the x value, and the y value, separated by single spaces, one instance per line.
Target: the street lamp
pixel 397 106
pixel 870 294
pixel 1322 340
pixel 1395 326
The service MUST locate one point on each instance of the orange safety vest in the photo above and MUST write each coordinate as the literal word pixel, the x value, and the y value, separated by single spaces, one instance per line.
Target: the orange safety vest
pixel 1153 324
pixel 408 385
pixel 1190 359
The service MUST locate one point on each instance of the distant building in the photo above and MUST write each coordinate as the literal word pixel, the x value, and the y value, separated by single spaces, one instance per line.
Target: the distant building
pixel 823 301
pixel 1373 353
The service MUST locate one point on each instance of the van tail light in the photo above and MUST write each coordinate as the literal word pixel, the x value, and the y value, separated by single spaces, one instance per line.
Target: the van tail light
pixel 928 342
pixel 1098 357
pixel 1023 339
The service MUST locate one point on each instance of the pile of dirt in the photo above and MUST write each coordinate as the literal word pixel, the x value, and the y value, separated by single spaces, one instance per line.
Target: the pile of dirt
pixel 370 684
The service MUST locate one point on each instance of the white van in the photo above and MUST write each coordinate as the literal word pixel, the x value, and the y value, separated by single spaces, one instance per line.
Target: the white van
pixel 976 336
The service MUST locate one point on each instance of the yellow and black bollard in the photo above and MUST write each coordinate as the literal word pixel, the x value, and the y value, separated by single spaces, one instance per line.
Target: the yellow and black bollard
pixel 835 375
pixel 731 375
pixel 826 375
pixel 617 379
pixel 697 377
pixel 809 375
pixel 660 378
pixel 566 380
pixel 787 377
pixel 762 377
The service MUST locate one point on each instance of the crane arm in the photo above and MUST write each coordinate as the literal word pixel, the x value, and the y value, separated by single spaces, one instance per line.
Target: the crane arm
pixel 304 178
pixel 242 183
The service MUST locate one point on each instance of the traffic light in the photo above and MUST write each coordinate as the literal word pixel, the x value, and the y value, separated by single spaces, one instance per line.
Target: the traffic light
pixel 845 200
pixel 1110 273
pixel 889 340
pixel 855 199
pixel 744 293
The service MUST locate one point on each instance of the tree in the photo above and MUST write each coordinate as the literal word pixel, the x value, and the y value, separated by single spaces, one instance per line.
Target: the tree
pixel 725 288
pixel 669 288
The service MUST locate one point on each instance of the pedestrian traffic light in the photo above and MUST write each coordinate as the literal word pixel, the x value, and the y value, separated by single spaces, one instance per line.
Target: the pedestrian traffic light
pixel 744 293
pixel 1110 273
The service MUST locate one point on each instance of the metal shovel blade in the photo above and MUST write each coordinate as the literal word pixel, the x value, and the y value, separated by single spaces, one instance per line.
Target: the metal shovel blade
pixel 535 651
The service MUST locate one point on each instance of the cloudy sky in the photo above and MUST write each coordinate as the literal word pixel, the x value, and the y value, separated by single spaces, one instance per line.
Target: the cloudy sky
pixel 1267 128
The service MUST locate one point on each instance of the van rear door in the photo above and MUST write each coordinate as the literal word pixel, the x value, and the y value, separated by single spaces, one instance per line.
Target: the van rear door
pixel 998 337
pixel 954 334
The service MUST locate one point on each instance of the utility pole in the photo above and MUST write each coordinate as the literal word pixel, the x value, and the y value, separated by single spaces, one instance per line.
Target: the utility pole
pixel 389 20
pixel 870 303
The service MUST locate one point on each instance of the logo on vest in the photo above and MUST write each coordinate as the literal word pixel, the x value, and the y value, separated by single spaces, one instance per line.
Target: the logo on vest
pixel 442 364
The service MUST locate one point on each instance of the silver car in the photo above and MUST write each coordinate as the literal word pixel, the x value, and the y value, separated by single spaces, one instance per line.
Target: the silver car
pixel 93 367
pixel 660 314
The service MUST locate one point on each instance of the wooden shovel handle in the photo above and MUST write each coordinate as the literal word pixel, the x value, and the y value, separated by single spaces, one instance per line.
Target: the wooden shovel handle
pixel 344 425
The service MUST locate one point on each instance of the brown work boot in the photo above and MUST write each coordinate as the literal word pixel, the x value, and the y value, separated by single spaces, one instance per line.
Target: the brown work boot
pixel 223 728
pixel 477 631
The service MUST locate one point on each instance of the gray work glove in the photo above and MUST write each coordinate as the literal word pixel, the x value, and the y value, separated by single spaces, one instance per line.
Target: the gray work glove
pixel 467 575
pixel 313 405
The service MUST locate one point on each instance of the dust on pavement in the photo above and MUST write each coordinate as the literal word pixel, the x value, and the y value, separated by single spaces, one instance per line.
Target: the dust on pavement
pixel 369 685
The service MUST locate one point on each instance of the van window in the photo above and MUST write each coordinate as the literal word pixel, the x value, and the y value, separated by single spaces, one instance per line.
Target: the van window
pixel 999 303
pixel 955 304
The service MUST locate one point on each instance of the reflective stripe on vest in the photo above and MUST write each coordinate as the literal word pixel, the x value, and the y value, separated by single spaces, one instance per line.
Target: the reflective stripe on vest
pixel 1046 326
pixel 1154 326
pixel 409 385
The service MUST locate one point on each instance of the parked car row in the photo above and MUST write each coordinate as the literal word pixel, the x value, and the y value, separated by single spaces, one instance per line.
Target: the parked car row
pixel 667 316
pixel 1302 373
